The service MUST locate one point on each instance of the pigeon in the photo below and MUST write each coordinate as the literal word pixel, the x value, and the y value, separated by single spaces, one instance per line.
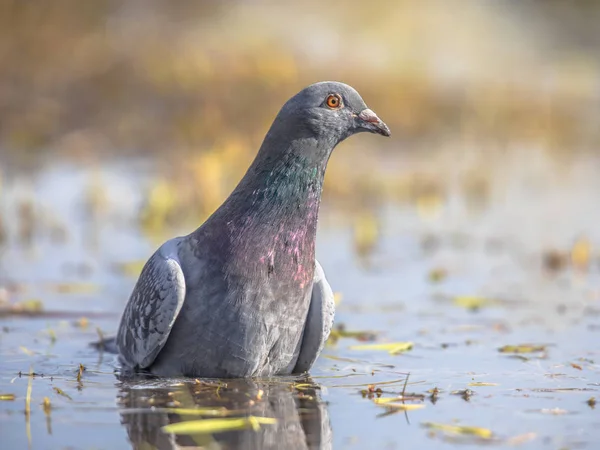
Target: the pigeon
pixel 243 295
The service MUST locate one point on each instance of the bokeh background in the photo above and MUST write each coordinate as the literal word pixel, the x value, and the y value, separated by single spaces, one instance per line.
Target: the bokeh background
pixel 126 122
pixel 194 86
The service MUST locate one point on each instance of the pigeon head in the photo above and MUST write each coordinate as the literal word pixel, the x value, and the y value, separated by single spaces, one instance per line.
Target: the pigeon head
pixel 330 112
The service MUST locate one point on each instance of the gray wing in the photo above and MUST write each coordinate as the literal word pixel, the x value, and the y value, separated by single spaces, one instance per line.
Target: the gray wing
pixel 152 309
pixel 318 322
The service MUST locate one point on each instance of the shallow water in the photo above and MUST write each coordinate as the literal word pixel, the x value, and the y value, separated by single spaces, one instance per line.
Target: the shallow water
pixel 494 250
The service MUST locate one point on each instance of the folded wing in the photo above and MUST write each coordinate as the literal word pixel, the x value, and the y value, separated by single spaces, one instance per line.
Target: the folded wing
pixel 152 308
pixel 318 322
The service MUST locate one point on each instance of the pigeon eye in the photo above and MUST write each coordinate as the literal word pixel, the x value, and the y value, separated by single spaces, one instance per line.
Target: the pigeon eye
pixel 334 101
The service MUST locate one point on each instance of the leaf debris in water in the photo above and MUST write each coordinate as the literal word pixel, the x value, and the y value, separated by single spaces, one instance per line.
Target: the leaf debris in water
pixel 28 395
pixel 394 402
pixel 59 391
pixel 80 372
pixel 7 397
pixel 29 307
pixel 437 275
pixel 26 351
pixel 483 433
pixel 581 253
pixel 214 412
pixel 523 348
pixel 46 405
pixel 341 332
pixel 481 383
pixel 473 302
pixel 209 426
pixel 393 348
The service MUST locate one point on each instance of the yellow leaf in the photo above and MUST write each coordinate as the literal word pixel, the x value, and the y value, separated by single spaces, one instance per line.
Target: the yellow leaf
pixel 59 391
pixel 481 383
pixel 393 347
pixel 405 406
pixel 483 433
pixel 31 306
pixel 46 405
pixel 523 348
pixel 7 397
pixel 198 411
pixel 581 253
pixel 217 425
pixel 394 402
pixel 472 302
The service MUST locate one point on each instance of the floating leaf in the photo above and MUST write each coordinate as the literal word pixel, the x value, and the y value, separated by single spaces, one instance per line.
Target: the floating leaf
pixel 483 433
pixel 473 302
pixel 218 425
pixel 214 412
pixel 28 395
pixel 341 332
pixel 59 391
pixel 482 383
pixel 46 405
pixel 523 348
pixel 437 275
pixel 576 366
pixel 384 400
pixel 395 402
pixel 7 397
pixel 26 351
pixel 26 307
pixel 403 406
pixel 80 372
pixel 581 253
pixel 393 348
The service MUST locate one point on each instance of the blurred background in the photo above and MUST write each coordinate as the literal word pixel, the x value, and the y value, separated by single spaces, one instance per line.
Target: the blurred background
pixel 126 122
pixel 193 86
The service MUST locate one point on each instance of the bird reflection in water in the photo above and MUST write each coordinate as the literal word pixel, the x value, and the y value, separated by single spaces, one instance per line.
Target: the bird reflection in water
pixel 147 405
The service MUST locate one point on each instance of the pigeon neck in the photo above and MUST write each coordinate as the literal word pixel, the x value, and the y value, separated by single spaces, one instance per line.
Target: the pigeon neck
pixel 283 188
pixel 271 217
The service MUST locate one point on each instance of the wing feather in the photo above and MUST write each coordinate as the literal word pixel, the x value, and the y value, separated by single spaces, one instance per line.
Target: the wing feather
pixel 152 309
pixel 318 322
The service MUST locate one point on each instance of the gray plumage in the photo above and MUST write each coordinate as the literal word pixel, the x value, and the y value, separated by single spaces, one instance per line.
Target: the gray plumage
pixel 243 295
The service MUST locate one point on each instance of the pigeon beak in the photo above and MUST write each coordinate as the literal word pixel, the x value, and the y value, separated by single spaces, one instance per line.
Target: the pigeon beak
pixel 370 122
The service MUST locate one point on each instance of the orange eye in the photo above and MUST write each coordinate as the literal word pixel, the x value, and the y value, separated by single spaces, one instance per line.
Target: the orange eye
pixel 334 101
